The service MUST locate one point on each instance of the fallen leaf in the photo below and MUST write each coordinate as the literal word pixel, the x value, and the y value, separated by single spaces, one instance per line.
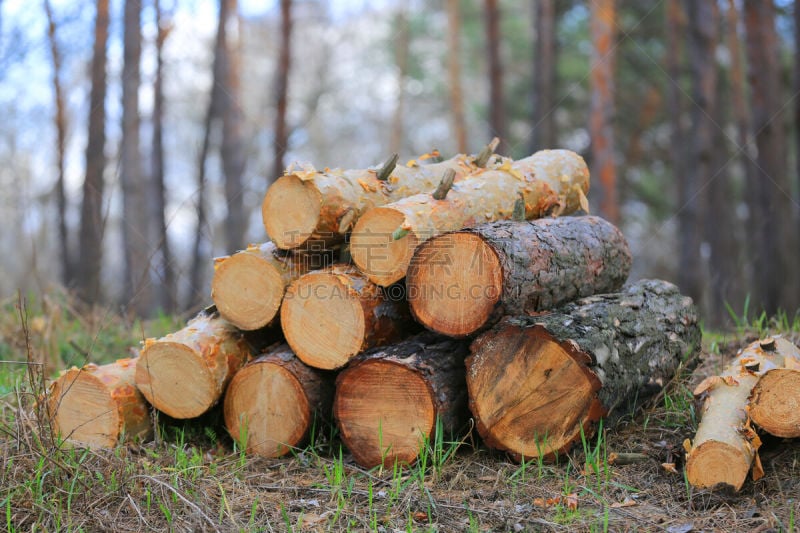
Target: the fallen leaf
pixel 627 502
pixel 669 467
pixel 572 501
pixel 420 517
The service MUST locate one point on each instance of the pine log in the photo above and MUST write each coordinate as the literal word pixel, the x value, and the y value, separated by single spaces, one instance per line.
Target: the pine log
pixel 725 446
pixel 248 286
pixel 460 282
pixel 388 400
pixel 535 382
pixel 552 182
pixel 185 373
pixel 330 315
pixel 775 401
pixel 272 403
pixel 99 406
pixel 308 204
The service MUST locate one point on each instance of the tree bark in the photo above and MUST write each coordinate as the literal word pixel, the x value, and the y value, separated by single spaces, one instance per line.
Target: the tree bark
pixel 552 182
pixel 273 402
pixel 389 400
pixel 460 282
pixel 331 315
pixel 282 90
pixel 92 220
pixel 601 115
pixel 454 74
pixel 725 446
pixel 96 406
pixel 536 382
pixel 401 39
pixel 497 111
pixel 543 132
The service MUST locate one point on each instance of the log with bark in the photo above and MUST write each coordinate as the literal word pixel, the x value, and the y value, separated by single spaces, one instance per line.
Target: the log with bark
pixel 99 406
pixel 248 286
pixel 725 446
pixel 775 401
pixel 185 373
pixel 460 282
pixel 388 400
pixel 307 204
pixel 551 182
pixel 272 403
pixel 535 382
pixel 330 315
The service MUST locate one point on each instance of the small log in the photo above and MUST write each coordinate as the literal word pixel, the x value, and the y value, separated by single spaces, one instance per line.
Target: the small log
pixel 775 401
pixel 273 401
pixel 185 373
pixel 99 406
pixel 330 315
pixel 248 286
pixel 388 399
pixel 552 182
pixel 725 446
pixel 460 282
pixel 535 382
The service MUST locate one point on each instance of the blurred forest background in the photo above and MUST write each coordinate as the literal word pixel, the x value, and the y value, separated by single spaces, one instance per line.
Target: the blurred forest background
pixel 137 138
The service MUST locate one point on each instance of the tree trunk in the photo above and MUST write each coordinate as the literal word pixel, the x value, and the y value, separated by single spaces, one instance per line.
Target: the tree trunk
pixel 96 406
pixel 248 286
pixel 460 282
pixel 282 90
pixel 536 382
pixel 329 316
pixel 497 110
pixel 601 116
pixel 725 446
pixel 454 74
pixel 552 182
pixel 390 400
pixel 543 131
pixel 797 115
pixel 92 220
pixel 272 403
pixel 185 373
pixel 401 39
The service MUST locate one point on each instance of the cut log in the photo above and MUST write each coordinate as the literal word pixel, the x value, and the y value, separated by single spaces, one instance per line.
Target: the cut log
pixel 535 382
pixel 185 373
pixel 388 399
pixel 460 282
pixel 552 182
pixel 99 406
pixel 248 286
pixel 329 316
pixel 272 403
pixel 725 446
pixel 322 205
pixel 775 402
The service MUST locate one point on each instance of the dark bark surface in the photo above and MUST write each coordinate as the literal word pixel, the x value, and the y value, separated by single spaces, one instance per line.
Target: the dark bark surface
pixel 282 90
pixel 497 111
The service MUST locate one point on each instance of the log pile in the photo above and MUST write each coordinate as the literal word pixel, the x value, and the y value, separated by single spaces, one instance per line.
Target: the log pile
pixel 301 335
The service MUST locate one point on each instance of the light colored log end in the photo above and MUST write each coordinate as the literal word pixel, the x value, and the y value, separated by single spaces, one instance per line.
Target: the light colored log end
pixel 775 402
pixel 83 411
pixel 384 259
pixel 291 211
pixel 247 290
pixel 715 463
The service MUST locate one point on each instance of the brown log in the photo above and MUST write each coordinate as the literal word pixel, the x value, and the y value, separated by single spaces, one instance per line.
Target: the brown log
pixel 185 373
pixel 775 401
pixel 388 399
pixel 248 286
pixel 552 182
pixel 308 204
pixel 272 403
pixel 99 406
pixel 725 446
pixel 330 315
pixel 460 282
pixel 535 382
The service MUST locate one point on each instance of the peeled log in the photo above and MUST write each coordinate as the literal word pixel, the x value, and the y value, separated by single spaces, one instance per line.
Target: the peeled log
pixel 248 286
pixel 99 406
pixel 272 403
pixel 552 182
pixel 322 205
pixel 535 381
pixel 388 399
pixel 725 446
pixel 185 373
pixel 460 282
pixel 329 316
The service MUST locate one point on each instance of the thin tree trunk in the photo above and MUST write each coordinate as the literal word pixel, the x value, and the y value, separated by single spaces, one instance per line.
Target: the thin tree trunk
pixel 544 71
pixel 281 90
pixel 454 72
pixel 401 43
pixel 92 222
pixel 797 113
pixel 497 112
pixel 601 130
pixel 61 140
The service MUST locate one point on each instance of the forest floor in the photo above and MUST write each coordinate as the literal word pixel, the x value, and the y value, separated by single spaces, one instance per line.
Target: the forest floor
pixel 192 478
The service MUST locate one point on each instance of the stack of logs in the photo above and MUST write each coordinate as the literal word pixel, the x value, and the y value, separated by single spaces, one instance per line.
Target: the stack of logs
pixel 529 330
